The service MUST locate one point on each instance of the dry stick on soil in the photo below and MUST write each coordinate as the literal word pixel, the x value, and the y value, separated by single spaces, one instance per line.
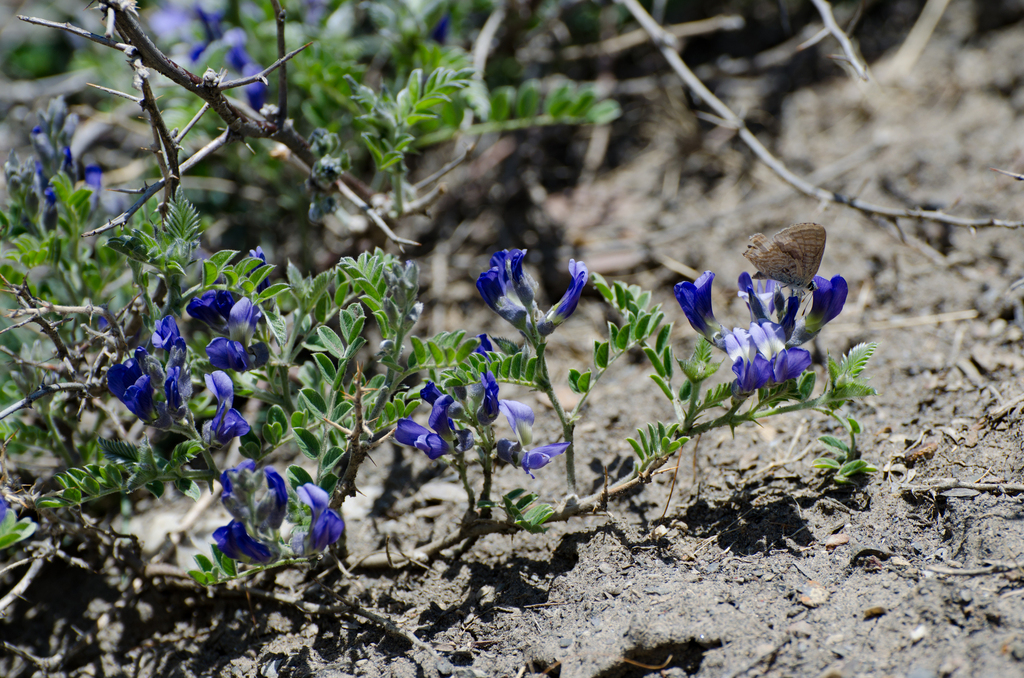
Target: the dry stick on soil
pixel 911 49
pixel 944 484
pixel 666 42
pixel 993 567
pixel 625 41
pixel 825 10
pixel 22 586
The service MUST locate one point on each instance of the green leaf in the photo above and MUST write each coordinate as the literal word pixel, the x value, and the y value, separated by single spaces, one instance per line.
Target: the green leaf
pixel 835 444
pixel 331 341
pixel 331 458
pixel 308 443
pixel 604 112
pixel 326 367
pixel 825 463
pixel 663 385
pixel 805 384
pixel 652 355
pixel 189 488
pixel 501 103
pixel 297 476
pixel 601 355
pixel 857 359
pixel 311 401
pixel 528 99
pixel 118 451
pixel 854 467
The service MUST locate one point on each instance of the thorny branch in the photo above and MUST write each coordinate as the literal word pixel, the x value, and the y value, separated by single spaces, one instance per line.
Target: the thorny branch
pixel 42 392
pixel 140 48
pixel 666 43
pixel 218 142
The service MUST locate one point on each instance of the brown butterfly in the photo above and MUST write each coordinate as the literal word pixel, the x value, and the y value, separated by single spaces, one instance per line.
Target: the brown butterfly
pixel 791 257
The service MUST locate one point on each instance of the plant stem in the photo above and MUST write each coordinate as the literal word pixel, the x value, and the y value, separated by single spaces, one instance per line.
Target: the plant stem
pixel 396 188
pixel 543 380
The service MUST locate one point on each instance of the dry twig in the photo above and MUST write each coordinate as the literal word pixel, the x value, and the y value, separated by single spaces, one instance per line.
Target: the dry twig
pixel 666 43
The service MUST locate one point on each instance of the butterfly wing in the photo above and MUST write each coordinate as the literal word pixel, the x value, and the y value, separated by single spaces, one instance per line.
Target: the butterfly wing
pixel 804 244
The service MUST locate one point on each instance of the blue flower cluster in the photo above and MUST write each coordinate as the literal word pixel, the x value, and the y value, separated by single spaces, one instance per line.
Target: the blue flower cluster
pixel 177 21
pixel 477 404
pixel 235 319
pixel 509 290
pixel 133 381
pixel 767 352
pixel 258 503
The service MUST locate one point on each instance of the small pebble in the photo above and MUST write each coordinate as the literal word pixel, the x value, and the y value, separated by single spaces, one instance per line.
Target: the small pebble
pixel 801 628
pixel 606 568
pixel 919 633
pixel 445 667
pixel 564 642
pixel 1017 650
pixel 836 540
pixel 874 611
pixel 921 672
pixel 814 594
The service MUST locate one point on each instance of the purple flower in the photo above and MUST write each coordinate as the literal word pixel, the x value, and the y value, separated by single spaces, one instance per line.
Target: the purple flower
pixel 485 346
pixel 241 484
pixel 166 334
pixel 790 364
pixel 173 388
pixel 530 461
pixel 236 319
pixel 225 354
pixel 94 177
pixel 750 374
pixel 695 300
pixel 258 254
pixel 234 542
pixel 213 308
pixel 133 387
pixel 567 305
pixel 242 321
pixel 430 392
pixel 67 162
pixel 408 432
pixel 768 337
pixel 539 457
pixel 255 92
pixel 272 508
pixel 760 300
pixel 439 419
pixel 439 33
pixel 442 440
pixel 228 423
pixel 520 417
pixel 828 299
pixel 488 410
pixel 233 497
pixel 501 285
pixel 49 215
pixel 325 527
